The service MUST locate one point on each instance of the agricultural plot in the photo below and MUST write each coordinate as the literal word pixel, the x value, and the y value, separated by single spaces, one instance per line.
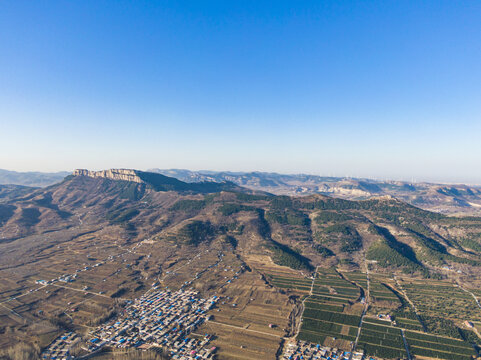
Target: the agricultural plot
pixel 378 338
pixel 442 300
pixel 421 344
pixel 386 303
pixel 329 317
pixel 381 338
pixel 285 282
pixel 357 277
pixel 386 298
pixel 330 284
pixel 380 292
pixel 408 323
pixel 476 293
pixel 240 322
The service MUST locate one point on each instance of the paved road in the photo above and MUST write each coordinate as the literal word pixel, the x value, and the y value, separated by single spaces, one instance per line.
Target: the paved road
pixel 19 296
pixel 477 303
pixel 469 292
pixel 88 292
pixel 303 301
pixel 244 329
pixel 364 311
pixel 13 312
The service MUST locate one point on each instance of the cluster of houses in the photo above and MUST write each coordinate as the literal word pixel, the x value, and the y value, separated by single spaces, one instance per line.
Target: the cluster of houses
pixel 60 347
pixel 308 351
pixel 160 318
pixel 201 349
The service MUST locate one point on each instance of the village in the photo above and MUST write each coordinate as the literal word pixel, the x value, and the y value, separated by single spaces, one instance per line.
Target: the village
pixel 60 347
pixel 308 351
pixel 160 318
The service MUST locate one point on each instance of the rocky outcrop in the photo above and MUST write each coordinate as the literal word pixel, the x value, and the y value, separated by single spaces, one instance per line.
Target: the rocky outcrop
pixel 112 174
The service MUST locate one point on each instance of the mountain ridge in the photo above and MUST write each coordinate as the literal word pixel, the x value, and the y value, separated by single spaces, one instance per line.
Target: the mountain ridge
pixel 299 229
pixel 452 199
pixel 444 198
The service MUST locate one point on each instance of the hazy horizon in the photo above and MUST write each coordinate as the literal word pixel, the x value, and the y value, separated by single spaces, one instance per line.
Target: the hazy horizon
pixel 387 90
pixel 201 170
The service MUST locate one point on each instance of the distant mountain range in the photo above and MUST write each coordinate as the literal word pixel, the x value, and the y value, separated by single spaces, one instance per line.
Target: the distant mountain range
pixel 31 178
pixel 442 198
pixel 449 199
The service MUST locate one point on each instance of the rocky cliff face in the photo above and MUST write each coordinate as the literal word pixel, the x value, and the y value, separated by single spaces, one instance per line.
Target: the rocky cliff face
pixel 113 174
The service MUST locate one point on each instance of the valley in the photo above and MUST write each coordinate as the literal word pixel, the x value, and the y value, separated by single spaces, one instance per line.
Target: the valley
pixel 141 264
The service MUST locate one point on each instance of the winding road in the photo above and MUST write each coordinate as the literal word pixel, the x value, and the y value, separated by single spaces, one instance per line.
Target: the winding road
pixel 364 311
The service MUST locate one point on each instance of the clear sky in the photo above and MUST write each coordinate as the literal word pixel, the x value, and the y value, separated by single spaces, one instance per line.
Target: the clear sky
pixel 384 89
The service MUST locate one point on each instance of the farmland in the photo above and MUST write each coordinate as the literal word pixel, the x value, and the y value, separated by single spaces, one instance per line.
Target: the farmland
pixel 381 340
pixel 331 316
pixel 434 346
pixel 442 305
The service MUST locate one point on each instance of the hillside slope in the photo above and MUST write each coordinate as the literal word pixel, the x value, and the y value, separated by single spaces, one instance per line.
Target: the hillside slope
pixel 300 232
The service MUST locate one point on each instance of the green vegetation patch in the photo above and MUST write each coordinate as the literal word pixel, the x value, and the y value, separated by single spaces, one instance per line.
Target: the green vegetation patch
pixel 302 285
pixel 438 347
pixel 196 232
pixel 325 217
pixel 326 307
pixel 232 208
pixel 334 317
pixel 289 217
pixel 6 212
pixel 324 251
pixel 315 338
pixel 30 216
pixel 188 205
pixel 285 256
pixel 122 216
pixel 346 235
pixel 384 352
pixel 387 251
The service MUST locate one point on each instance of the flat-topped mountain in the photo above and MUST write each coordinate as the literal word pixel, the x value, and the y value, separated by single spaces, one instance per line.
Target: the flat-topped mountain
pixel 112 174
pixel 157 181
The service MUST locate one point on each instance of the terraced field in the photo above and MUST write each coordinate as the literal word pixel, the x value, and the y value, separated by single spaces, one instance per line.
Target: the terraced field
pixel 438 347
pixel 332 315
pixel 329 317
pixel 407 323
pixel 302 285
pixel 378 338
pixel 380 292
pixel 442 299
pixel 357 277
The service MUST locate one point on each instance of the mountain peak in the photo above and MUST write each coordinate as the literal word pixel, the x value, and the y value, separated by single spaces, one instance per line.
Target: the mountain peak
pixel 157 182
pixel 112 174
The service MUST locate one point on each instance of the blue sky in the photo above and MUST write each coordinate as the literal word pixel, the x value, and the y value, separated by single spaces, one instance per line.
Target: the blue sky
pixel 387 89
